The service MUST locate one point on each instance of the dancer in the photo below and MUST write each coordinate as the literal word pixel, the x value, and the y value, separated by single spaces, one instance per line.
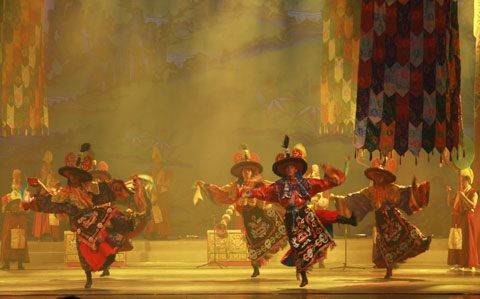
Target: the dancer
pixel 263 227
pixel 14 240
pixel 462 241
pixel 307 236
pixel 397 238
pixel 101 231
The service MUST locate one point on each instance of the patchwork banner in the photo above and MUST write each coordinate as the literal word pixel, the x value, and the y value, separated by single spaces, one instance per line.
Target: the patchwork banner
pixel 340 52
pixel 24 109
pixel 409 75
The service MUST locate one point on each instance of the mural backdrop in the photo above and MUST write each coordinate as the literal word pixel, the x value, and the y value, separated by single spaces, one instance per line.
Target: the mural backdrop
pixel 198 78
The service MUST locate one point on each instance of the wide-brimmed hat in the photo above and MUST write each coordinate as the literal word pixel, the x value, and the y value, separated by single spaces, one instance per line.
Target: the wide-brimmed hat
pixel 79 164
pixel 296 158
pixel 245 159
pixel 101 172
pixel 374 172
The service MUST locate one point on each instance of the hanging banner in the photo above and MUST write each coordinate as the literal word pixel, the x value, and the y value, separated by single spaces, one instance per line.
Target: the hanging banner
pixel 23 109
pixel 409 66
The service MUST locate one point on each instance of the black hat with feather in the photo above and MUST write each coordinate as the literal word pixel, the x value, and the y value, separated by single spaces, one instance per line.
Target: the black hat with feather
pixel 296 158
pixel 78 164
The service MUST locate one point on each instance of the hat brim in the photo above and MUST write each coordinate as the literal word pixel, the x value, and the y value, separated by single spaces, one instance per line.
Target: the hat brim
pixel 280 167
pixel 373 172
pixel 67 170
pixel 236 169
pixel 102 174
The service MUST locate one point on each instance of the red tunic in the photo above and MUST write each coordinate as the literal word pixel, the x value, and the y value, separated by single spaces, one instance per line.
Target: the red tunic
pixel 274 194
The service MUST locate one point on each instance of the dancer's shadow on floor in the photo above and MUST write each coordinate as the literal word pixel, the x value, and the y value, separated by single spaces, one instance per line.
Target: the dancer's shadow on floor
pixel 246 280
pixel 395 279
pixel 382 280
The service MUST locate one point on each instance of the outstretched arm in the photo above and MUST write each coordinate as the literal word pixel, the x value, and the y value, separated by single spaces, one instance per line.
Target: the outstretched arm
pixel 110 191
pixel 413 198
pixel 43 203
pixel 333 177
pixel 357 203
pixel 221 195
pixel 263 193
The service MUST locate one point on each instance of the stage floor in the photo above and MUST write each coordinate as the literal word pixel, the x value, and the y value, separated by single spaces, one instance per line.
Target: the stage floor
pixel 182 278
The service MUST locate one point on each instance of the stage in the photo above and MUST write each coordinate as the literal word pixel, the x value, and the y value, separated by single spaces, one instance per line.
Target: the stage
pixel 172 268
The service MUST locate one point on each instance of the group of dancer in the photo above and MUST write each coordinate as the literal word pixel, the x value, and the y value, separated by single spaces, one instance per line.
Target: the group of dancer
pixel 303 226
pixel 106 213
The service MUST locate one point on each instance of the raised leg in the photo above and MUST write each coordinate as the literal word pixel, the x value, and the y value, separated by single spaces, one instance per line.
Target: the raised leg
pixel 344 220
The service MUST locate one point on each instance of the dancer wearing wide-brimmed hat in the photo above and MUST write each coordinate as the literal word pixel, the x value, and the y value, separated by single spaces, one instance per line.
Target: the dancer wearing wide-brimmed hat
pixel 307 236
pixel 101 231
pixel 264 229
pixel 397 238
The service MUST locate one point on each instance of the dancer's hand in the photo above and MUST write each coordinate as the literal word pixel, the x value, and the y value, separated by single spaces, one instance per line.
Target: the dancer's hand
pixel 200 183
pixel 329 170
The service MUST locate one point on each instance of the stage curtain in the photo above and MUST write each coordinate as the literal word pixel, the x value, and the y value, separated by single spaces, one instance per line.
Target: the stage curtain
pixel 408 94
pixel 24 109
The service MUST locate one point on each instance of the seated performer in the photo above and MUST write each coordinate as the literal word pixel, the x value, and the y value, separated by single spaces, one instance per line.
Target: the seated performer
pixel 462 247
pixel 307 236
pixel 101 231
pixel 397 238
pixel 264 230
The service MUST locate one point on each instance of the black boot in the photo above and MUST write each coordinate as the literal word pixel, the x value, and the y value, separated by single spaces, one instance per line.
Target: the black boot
pixel 304 279
pixel 344 220
pixel 6 265
pixel 389 273
pixel 20 266
pixel 106 272
pixel 88 284
pixel 256 270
